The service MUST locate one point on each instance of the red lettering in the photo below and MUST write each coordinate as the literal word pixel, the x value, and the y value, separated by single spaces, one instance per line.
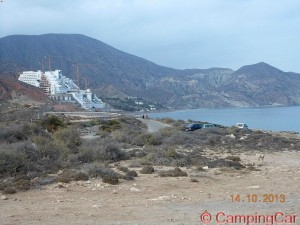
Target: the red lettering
pixel 281 217
pixel 218 220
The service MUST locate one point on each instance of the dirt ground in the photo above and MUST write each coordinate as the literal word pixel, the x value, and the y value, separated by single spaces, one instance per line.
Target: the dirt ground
pixel 151 199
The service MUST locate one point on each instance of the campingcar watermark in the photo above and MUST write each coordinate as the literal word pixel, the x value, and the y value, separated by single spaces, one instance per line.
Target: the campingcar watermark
pixel 271 219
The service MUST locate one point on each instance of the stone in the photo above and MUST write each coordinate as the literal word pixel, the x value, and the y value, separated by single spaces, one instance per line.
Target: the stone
pixel 4 197
pixel 134 189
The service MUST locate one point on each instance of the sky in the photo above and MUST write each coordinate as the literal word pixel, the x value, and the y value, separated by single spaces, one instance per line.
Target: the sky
pixel 180 34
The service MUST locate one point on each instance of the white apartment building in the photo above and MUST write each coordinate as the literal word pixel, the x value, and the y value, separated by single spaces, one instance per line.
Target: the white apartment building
pixel 59 84
pixel 61 88
pixel 31 77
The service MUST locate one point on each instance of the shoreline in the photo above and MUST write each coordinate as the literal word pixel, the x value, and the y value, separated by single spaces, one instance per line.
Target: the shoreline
pixel 271 118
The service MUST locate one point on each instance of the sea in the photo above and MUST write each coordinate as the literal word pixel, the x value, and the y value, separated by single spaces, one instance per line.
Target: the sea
pixel 266 118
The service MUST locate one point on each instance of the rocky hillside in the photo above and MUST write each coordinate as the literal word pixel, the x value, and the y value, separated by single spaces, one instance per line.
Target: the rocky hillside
pixel 11 90
pixel 111 72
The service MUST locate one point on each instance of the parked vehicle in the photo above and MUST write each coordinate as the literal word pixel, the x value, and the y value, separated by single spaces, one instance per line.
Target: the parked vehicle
pixel 193 126
pixel 208 125
pixel 219 125
pixel 242 125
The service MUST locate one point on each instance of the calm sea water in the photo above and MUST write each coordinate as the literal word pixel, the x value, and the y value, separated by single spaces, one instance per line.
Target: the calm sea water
pixel 269 118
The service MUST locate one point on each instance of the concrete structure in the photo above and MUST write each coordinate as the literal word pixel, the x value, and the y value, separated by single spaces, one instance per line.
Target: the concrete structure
pixel 31 77
pixel 60 88
pixel 59 84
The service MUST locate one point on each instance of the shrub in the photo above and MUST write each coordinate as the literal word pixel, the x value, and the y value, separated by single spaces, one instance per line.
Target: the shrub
pixel 147 139
pixel 71 137
pixel 12 134
pixel 81 176
pixel 101 171
pixel 194 180
pixel 136 153
pixel 171 152
pixel 110 180
pixel 110 152
pixel 177 172
pixel 70 174
pixel 225 163
pixel 12 161
pixel 132 173
pixel 22 185
pixel 181 138
pixel 52 123
pixel 33 129
pixel 167 131
pixel 86 155
pixel 9 190
pixel 147 170
pixel 48 148
pixel 110 125
pixel 123 169
pixel 233 158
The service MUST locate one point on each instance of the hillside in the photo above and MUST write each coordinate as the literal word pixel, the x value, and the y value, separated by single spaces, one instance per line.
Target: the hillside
pixel 111 72
pixel 262 84
pixel 11 90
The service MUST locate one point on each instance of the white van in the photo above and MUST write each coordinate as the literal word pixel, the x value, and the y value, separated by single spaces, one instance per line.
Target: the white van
pixel 241 125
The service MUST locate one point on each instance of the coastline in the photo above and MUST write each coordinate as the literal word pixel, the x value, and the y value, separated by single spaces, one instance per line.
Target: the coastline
pixel 273 118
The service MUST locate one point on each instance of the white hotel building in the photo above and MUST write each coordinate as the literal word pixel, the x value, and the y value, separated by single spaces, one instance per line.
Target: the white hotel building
pixel 31 77
pixel 61 88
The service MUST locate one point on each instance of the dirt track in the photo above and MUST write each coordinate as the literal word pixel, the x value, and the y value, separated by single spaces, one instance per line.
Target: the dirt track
pixel 153 125
pixel 154 200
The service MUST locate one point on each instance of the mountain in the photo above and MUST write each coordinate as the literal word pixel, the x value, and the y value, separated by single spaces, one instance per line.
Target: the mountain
pixel 262 84
pixel 111 72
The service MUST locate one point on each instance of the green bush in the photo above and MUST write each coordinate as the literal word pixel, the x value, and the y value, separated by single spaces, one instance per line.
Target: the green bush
pixel 52 123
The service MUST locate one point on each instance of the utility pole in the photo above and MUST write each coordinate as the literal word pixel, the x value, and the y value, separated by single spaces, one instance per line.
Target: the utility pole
pixel 49 61
pixel 86 83
pixel 78 78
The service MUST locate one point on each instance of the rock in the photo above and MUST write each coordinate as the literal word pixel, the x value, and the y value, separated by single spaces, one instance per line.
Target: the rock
pixel 4 197
pixel 232 136
pixel 115 191
pixel 253 187
pixel 134 189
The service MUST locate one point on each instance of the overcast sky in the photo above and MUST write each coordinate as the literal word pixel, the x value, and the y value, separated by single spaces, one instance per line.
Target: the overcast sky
pixel 175 33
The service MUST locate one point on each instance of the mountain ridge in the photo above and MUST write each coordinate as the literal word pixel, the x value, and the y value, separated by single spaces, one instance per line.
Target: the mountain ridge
pixel 128 75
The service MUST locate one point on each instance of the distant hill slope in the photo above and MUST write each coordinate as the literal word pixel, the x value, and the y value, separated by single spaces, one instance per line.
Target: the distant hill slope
pixel 262 84
pixel 11 90
pixel 113 72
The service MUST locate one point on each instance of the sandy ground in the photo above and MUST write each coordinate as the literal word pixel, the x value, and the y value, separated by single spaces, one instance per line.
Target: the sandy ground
pixel 150 199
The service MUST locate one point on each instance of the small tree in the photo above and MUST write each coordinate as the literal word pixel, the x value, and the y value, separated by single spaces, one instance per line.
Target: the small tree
pixel 52 123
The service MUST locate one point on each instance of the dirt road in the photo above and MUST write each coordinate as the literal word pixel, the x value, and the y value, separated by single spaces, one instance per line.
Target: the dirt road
pixel 153 125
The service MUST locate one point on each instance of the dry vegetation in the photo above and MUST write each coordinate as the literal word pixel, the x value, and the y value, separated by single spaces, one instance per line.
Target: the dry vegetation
pixel 35 154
